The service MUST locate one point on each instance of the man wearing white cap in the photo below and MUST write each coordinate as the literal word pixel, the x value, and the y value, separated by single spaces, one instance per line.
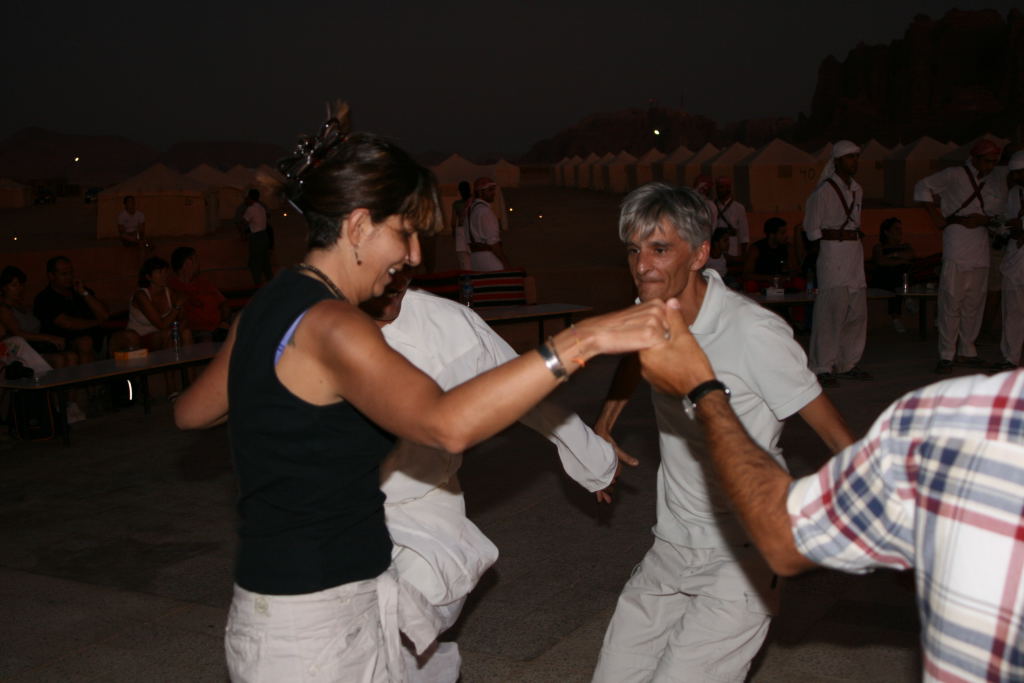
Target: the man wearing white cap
pixel 1012 268
pixel 840 322
pixel 966 201
pixel 486 252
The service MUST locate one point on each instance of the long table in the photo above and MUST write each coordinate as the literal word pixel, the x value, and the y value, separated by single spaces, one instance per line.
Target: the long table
pixel 539 313
pixel 921 293
pixel 61 380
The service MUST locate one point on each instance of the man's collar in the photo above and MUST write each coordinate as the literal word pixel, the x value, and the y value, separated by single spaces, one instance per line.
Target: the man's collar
pixel 706 321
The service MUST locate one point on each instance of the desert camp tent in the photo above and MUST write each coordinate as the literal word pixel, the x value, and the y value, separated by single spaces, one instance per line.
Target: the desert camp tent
pixel 558 172
pixel 457 168
pixel 959 155
pixel 723 163
pixel 230 194
pixel 599 172
pixel 14 195
pixel 270 183
pixel 871 172
pixel 571 170
pixel 905 166
pixel 584 171
pixel 242 176
pixel 506 174
pixel 174 204
pixel 671 166
pixel 777 177
pixel 647 168
pixel 617 169
pixel 693 166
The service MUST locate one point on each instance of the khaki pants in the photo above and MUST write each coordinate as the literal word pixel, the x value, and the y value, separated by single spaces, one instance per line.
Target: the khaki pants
pixel 688 614
pixel 347 633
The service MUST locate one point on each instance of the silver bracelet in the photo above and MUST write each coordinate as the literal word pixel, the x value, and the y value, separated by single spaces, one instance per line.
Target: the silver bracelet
pixel 552 361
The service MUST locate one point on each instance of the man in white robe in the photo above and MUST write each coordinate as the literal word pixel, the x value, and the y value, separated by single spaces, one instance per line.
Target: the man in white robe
pixel 439 554
pixel 732 216
pixel 962 201
pixel 1012 268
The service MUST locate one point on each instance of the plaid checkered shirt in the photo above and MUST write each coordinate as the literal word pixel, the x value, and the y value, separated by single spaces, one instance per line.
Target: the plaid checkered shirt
pixel 937 485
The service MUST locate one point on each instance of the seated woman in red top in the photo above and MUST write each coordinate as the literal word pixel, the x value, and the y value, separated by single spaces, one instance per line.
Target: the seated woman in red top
pixel 207 312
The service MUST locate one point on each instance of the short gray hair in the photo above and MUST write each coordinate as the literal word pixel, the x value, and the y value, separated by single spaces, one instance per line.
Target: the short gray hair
pixel 644 208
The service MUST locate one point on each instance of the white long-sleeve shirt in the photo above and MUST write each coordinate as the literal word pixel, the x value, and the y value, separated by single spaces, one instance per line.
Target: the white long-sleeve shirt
pixel 425 510
pixel 967 247
pixel 840 264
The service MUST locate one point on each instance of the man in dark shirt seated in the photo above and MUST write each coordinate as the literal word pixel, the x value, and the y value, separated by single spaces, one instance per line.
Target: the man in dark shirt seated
pixel 771 260
pixel 69 309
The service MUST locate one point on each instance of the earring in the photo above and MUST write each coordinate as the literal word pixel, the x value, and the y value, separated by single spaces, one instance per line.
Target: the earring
pixel 358 261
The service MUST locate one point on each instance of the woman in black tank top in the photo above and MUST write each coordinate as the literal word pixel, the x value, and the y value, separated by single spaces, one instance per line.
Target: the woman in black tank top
pixel 315 395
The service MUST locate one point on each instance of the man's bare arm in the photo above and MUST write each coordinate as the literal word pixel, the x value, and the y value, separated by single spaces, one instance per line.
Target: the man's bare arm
pixel 755 483
pixel 627 376
pixel 821 415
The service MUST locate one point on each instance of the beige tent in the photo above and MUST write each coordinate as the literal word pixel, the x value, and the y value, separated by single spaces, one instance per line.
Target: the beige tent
pixel 723 163
pixel 174 204
pixel 243 177
pixel 571 169
pixel 905 166
pixel 617 169
pixel 959 155
pixel 692 167
pixel 457 168
pixel 648 168
pixel 230 194
pixel 671 166
pixel 506 174
pixel 558 172
pixel 599 173
pixel 777 177
pixel 270 183
pixel 14 195
pixel 585 171
pixel 871 172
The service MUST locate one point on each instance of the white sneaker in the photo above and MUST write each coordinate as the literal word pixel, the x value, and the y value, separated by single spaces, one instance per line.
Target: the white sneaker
pixel 897 325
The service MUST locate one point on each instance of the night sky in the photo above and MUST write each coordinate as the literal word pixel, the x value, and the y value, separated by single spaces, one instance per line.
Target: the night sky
pixel 476 78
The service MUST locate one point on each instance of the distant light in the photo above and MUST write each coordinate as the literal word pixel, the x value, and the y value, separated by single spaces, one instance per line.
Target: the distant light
pixel 129 390
pixel 285 213
pixel 15 238
pixel 76 159
pixel 540 215
pixel 657 132
pixel 510 209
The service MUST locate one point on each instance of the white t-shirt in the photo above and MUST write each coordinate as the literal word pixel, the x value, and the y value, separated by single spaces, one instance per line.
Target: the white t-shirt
pixel 256 217
pixel 437 549
pixel 734 214
pixel 752 351
pixel 960 245
pixel 485 229
pixel 719 265
pixel 130 222
pixel 840 264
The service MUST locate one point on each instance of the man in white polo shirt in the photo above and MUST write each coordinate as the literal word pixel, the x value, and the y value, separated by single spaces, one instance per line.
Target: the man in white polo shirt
pixel 131 225
pixel 962 200
pixel 698 606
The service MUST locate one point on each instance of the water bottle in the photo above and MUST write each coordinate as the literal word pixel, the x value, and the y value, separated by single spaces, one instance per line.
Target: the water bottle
pixel 466 290
pixel 176 336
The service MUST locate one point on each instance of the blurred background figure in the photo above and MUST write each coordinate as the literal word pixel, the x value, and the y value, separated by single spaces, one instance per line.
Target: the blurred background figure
pixel 892 258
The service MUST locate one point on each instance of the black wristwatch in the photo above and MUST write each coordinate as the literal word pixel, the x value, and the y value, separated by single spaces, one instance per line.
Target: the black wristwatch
pixel 702 390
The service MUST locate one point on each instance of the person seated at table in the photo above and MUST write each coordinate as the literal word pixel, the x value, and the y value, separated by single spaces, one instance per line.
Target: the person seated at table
pixel 70 310
pixel 19 321
pixel 153 308
pixel 719 258
pixel 771 259
pixel 892 258
pixel 207 312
